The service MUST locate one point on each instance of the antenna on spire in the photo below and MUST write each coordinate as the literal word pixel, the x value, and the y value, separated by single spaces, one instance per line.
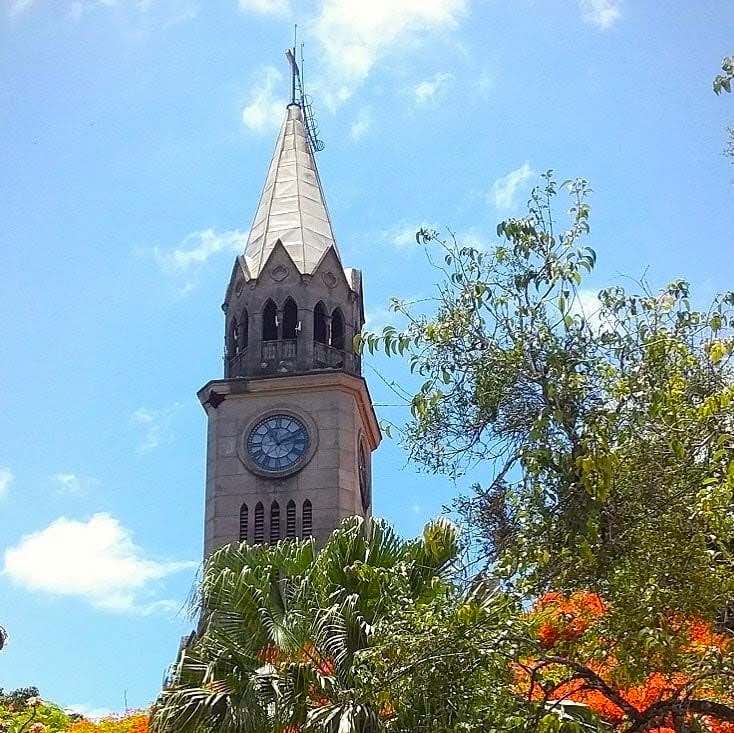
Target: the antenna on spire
pixel 299 96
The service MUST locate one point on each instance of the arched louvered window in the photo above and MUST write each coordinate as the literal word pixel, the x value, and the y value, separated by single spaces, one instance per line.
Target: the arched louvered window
pixel 307 520
pixel 274 522
pixel 234 337
pixel 290 319
pixel 270 322
pixel 259 523
pixel 244 517
pixel 337 330
pixel 319 324
pixel 244 329
pixel 290 520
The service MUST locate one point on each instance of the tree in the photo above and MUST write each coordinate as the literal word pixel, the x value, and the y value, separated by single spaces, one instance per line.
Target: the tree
pixel 604 426
pixel 722 83
pixel 23 711
pixel 283 629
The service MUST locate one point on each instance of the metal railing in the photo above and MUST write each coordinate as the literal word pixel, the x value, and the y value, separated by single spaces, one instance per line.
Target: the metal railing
pixel 327 357
pixel 279 350
pixel 282 356
pixel 236 363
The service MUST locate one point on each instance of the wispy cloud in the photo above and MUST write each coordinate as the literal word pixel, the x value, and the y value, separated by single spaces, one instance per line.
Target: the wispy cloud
pixel 265 108
pixel 16 7
pixel 601 13
pixel 197 248
pixel 360 127
pixel 266 7
pixel 90 712
pixel 72 483
pixel 184 262
pixel 6 478
pixel 505 189
pixel 95 560
pixel 354 35
pixel 155 426
pixel 588 305
pixel 402 236
pixel 163 13
pixel 432 89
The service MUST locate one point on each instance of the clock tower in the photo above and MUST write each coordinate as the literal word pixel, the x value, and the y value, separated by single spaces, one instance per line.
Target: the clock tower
pixel 291 426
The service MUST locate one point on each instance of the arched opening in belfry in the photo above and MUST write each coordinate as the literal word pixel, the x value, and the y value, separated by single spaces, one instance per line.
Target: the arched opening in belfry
pixel 234 337
pixel 290 319
pixel 259 523
pixel 320 333
pixel 270 322
pixel 307 519
pixel 337 330
pixel 244 517
pixel 274 522
pixel 244 329
pixel 290 520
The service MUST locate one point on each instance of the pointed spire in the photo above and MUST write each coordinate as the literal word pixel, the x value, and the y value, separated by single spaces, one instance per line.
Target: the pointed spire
pixel 292 206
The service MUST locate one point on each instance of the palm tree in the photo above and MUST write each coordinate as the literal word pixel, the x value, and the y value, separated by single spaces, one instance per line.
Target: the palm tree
pixel 282 627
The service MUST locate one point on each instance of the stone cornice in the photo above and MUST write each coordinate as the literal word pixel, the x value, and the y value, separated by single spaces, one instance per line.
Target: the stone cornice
pixel 214 392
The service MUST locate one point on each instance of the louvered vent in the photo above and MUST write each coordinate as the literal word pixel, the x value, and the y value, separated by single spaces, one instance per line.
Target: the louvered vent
pixel 244 516
pixel 274 522
pixel 259 524
pixel 290 520
pixel 307 520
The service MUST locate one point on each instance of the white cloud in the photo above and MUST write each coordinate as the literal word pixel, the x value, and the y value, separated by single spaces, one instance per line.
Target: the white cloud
pixel 155 426
pixel 266 7
pixel 163 13
pixel 73 484
pixel 89 711
pixel 6 478
pixel 355 34
pixel 504 189
pixel 19 6
pixel 430 89
pixel 601 13
pixel 403 236
pixel 197 247
pixel 376 319
pixel 95 560
pixel 266 107
pixel 361 125
pixel 588 305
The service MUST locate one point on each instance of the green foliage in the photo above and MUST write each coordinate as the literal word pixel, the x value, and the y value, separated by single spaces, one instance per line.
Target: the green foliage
pixel 23 711
pixel 722 82
pixel 604 424
pixel 283 629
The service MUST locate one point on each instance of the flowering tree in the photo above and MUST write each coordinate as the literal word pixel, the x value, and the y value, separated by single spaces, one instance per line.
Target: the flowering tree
pixel 602 428
pixel 687 683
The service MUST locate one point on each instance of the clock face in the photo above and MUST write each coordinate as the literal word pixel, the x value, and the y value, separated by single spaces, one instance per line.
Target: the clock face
pixel 277 443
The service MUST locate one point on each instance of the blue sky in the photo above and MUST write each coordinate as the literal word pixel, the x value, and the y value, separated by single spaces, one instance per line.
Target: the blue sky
pixel 134 139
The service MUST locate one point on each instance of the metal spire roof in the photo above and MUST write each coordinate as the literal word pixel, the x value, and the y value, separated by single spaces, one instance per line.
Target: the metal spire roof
pixel 292 206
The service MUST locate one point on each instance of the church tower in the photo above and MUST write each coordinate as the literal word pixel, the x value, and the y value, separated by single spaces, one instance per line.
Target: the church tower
pixel 291 426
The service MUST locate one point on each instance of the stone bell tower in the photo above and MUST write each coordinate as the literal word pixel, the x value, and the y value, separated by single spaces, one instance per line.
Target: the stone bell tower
pixel 291 427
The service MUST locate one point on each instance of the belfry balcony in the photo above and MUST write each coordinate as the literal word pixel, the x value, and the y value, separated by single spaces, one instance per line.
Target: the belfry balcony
pixel 281 357
pixel 327 357
pixel 278 356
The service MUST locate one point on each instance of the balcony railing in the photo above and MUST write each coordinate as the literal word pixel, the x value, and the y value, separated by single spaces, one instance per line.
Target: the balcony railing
pixel 236 363
pixel 282 356
pixel 279 350
pixel 327 357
